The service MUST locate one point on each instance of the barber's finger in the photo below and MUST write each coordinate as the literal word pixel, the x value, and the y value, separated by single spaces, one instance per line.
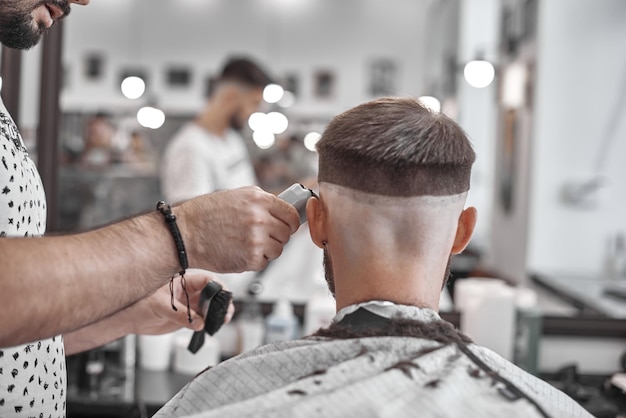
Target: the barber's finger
pixel 220 282
pixel 258 264
pixel 197 279
pixel 273 250
pixel 280 232
pixel 287 213
pixel 230 312
pixel 180 317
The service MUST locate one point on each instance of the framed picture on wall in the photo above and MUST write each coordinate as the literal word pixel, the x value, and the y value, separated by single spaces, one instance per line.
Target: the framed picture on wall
pixel 93 66
pixel 383 75
pixel 324 84
pixel 178 77
pixel 291 82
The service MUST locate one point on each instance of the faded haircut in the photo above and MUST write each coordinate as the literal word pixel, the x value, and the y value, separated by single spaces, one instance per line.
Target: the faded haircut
pixel 396 147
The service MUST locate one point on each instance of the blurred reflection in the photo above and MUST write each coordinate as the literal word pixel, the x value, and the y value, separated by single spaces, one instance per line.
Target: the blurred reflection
pixel 288 162
pixel 98 145
pixel 108 170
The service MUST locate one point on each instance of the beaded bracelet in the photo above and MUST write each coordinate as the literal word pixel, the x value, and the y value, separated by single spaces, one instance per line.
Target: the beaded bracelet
pixel 170 220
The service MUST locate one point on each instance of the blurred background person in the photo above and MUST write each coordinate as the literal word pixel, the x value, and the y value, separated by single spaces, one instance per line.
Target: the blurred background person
pixel 208 153
pixel 288 162
pixel 97 151
pixel 139 155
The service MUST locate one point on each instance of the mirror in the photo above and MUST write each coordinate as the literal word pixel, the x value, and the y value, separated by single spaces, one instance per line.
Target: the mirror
pixel 542 132
pixel 329 55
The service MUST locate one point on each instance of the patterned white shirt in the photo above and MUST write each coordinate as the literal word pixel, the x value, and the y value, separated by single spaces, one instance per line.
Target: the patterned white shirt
pixel 32 376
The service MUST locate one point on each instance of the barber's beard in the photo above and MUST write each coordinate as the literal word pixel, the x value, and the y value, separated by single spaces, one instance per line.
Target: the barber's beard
pixel 330 277
pixel 18 30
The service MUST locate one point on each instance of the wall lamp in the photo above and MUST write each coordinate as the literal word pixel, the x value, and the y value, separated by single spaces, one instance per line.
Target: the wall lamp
pixel 479 73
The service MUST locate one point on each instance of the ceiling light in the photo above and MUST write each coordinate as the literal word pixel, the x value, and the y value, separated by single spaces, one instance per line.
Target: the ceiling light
pixel 263 139
pixel 277 123
pixel 133 87
pixel 311 139
pixel 431 102
pixel 288 99
pixel 257 121
pixel 150 117
pixel 479 73
pixel 272 93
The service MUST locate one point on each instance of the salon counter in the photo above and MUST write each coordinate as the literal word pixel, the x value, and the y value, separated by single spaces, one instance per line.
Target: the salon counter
pixel 149 391
pixel 590 294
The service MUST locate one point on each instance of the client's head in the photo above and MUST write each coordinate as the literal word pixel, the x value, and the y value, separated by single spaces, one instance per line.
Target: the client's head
pixel 393 181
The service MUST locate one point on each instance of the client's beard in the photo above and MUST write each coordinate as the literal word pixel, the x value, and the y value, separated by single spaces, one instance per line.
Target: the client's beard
pixel 447 274
pixel 328 272
pixel 330 277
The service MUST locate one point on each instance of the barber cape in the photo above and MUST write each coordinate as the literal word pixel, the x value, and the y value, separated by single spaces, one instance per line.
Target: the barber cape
pixel 370 376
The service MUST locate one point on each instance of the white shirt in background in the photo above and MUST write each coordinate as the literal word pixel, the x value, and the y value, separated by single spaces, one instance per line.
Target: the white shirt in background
pixel 197 162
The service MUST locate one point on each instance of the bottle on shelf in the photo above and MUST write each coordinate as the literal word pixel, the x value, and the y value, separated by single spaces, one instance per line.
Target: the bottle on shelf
pixel 320 309
pixel 282 323
pixel 250 324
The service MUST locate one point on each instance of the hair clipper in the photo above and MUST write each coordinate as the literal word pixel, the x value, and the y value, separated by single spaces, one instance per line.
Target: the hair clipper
pixel 297 195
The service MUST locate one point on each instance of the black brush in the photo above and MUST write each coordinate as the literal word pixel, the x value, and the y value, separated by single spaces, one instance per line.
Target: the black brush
pixel 214 302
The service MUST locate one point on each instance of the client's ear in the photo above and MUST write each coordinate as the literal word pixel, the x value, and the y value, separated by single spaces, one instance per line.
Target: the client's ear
pixel 464 230
pixel 316 218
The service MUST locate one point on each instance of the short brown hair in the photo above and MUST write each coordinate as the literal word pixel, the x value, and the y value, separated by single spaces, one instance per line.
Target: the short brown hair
pixel 396 147
pixel 244 71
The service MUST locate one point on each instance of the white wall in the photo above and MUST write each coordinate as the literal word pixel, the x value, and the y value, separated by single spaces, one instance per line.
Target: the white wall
pixel 478 33
pixel 581 69
pixel 288 37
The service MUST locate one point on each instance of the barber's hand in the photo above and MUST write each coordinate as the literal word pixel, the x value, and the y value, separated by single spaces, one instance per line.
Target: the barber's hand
pixel 154 314
pixel 236 230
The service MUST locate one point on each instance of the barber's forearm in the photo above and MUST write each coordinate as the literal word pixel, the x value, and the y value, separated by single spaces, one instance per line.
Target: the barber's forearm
pixel 97 334
pixel 54 285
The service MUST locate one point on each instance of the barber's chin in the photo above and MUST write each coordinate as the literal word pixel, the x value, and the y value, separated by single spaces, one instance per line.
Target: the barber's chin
pixel 41 16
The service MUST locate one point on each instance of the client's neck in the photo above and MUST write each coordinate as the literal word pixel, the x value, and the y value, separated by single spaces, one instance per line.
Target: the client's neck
pixel 376 274
pixel 387 248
